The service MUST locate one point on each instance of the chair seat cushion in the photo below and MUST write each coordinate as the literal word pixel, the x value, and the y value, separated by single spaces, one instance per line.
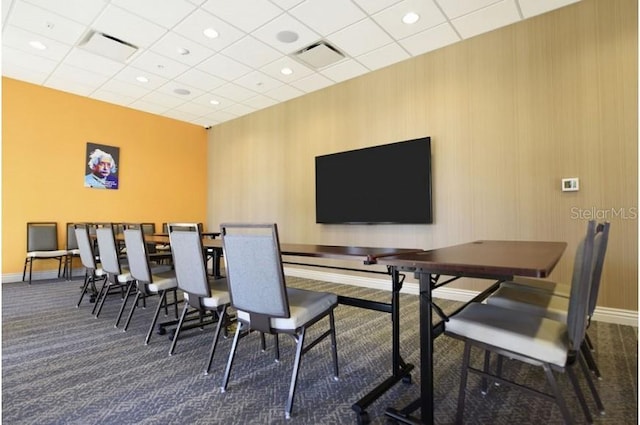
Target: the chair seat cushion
pixel 47 254
pixel 124 277
pixel 219 294
pixel 542 285
pixel 304 306
pixel 100 272
pixel 529 335
pixel 163 281
pixel 531 302
pixel 75 252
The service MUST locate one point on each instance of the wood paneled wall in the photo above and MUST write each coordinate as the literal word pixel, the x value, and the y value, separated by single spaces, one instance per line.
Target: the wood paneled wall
pixel 510 114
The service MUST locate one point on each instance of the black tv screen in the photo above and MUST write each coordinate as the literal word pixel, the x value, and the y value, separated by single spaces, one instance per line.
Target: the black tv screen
pixel 381 184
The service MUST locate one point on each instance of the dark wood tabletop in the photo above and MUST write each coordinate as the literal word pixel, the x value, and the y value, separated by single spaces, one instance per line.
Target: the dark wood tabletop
pixel 484 259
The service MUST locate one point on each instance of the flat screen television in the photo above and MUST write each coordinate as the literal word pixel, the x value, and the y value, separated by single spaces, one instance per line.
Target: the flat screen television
pixel 381 184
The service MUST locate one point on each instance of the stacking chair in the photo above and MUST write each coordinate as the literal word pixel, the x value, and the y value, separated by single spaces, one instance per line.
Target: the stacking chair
pixel 72 252
pixel 88 258
pixel 550 300
pixel 530 338
pixel 262 299
pixel 148 281
pixel 201 294
pixel 42 244
pixel 118 278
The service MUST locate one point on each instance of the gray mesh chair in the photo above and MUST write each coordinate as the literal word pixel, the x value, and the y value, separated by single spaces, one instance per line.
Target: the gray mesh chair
pixel 118 278
pixel 530 338
pixel 157 281
pixel 262 299
pixel 201 294
pixel 550 299
pixel 88 258
pixel 42 244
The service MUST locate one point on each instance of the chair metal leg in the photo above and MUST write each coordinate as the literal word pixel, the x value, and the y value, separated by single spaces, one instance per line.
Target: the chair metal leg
pixel 558 396
pixel 276 348
pixel 232 354
pixel 464 373
pixel 334 346
pixel 587 351
pixel 102 295
pixel 294 374
pixel 592 387
pixel 127 292
pixel 175 335
pixel 85 286
pixel 163 298
pixel 24 270
pixel 579 394
pixel 484 383
pixel 30 270
pixel 133 308
pixel 221 319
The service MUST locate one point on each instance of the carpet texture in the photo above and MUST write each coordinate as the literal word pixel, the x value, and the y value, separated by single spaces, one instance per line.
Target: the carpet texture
pixel 60 365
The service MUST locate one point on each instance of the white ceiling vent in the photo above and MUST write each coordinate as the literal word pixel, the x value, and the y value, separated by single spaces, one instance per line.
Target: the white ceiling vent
pixel 108 46
pixel 319 55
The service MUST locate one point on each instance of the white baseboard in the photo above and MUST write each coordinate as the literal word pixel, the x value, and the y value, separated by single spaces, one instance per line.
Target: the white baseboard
pixel 39 275
pixel 601 314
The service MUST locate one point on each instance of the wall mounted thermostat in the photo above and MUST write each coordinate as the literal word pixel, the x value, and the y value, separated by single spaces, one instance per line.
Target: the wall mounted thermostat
pixel 571 184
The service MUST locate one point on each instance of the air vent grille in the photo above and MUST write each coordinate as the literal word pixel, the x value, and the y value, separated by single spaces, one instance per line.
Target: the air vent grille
pixel 319 55
pixel 108 46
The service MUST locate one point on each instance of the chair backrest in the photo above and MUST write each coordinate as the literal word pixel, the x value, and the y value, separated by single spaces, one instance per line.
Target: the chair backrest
pixel 188 261
pixel 577 315
pixel 137 253
pixel 599 251
pixel 108 249
pixel 87 256
pixel 148 228
pixel 42 236
pixel 72 243
pixel 254 272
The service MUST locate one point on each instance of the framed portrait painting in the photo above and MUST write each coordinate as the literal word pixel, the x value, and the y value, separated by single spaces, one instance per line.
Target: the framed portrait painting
pixel 101 166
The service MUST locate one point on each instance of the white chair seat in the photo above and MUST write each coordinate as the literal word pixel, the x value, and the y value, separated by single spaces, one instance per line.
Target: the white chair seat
pixel 303 307
pixel 163 281
pixel 531 302
pixel 47 254
pixel 531 336
pixel 124 277
pixel 100 272
pixel 219 294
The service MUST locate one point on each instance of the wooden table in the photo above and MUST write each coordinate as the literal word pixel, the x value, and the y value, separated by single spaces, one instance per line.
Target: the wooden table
pixel 496 260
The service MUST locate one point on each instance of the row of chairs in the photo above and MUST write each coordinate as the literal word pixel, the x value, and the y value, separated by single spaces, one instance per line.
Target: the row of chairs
pixel 255 287
pixel 541 323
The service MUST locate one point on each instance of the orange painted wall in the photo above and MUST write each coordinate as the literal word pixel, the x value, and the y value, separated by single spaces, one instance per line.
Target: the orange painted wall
pixel 162 170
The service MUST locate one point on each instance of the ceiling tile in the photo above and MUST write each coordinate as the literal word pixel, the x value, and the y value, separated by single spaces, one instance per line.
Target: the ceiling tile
pixel 455 9
pixel 269 32
pixel 83 11
pixel 384 56
pixel 536 7
pixel 129 74
pixel 234 92
pixel 149 107
pixel 373 6
pixel 260 102
pixel 284 93
pixel 286 4
pixel 239 109
pixel 168 15
pixel 360 38
pixel 258 82
pixel 172 45
pixel 180 115
pixel 311 83
pixel 224 67
pixel 194 25
pixel 19 39
pixel 196 78
pixel 125 89
pixel 5 8
pixel 43 22
pixel 35 69
pixel 431 39
pixel 251 52
pixel 93 63
pixel 497 15
pixel 163 99
pixel 321 16
pixel 111 97
pixel 344 70
pixel 128 27
pixel 274 69
pixel 391 18
pixel 159 65
pixel 171 86
pixel 75 75
pixel 61 83
pixel 246 14
pixel 194 109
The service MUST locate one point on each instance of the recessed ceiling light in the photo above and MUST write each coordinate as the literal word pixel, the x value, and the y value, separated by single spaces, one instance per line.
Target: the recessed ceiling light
pixel 410 18
pixel 37 45
pixel 286 71
pixel 183 51
pixel 214 102
pixel 183 92
pixel 287 36
pixel 210 33
pixel 142 79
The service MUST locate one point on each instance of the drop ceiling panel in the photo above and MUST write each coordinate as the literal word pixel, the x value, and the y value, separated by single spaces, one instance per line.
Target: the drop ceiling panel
pixel 173 46
pixel 128 27
pixel 258 82
pixel 193 26
pixel 246 14
pixel 19 39
pixel 48 24
pixel 344 70
pixel 384 56
pixel 360 38
pixel 274 69
pixel 234 92
pixel 455 9
pixel 373 6
pixel 321 15
pixel 82 11
pixel 111 97
pixel 312 83
pixel 284 93
pixel 260 102
pixel 159 65
pixel 197 78
pixel 94 63
pixel 224 67
pixel 130 74
pixel 483 20
pixel 285 22
pixel 25 66
pixel 251 52
pixel 391 18
pixel 431 39
pixel 536 7
pixel 167 16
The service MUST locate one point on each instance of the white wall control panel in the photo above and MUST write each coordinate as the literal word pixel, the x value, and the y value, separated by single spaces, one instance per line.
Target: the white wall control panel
pixel 571 184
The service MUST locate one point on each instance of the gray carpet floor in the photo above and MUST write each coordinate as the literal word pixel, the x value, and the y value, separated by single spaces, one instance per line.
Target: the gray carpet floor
pixel 60 365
